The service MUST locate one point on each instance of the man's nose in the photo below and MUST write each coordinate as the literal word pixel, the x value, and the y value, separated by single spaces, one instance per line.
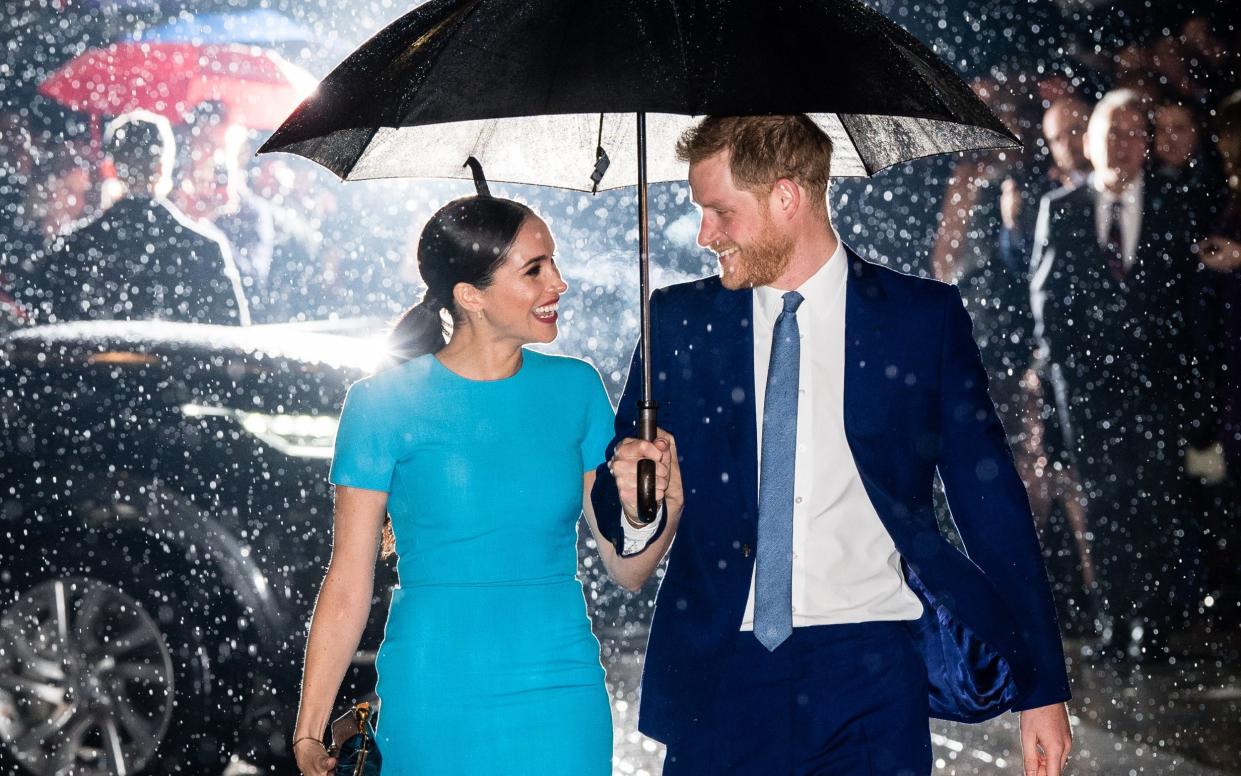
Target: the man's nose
pixel 706 234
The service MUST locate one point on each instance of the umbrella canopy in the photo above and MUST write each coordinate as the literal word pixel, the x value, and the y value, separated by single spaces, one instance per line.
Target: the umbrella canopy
pixel 532 88
pixel 545 92
pixel 260 27
pixel 258 87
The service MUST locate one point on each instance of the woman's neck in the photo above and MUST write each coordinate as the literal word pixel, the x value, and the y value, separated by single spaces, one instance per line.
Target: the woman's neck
pixel 478 357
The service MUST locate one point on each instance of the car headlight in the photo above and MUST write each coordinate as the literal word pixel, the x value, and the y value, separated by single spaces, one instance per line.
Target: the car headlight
pixel 300 436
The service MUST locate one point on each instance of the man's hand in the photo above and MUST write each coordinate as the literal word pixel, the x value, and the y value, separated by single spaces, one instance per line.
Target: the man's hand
pixel 1045 740
pixel 1010 203
pixel 624 468
pixel 1219 253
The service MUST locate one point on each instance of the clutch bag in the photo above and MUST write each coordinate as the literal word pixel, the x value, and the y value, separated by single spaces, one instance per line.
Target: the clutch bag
pixel 353 743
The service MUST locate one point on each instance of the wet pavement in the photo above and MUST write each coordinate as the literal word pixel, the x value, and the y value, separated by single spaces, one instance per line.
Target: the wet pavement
pixel 1181 719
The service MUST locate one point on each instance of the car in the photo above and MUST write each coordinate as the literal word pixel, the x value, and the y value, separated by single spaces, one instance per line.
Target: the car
pixel 165 521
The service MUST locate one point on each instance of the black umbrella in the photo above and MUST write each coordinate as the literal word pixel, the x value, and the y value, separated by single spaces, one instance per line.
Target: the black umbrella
pixel 549 92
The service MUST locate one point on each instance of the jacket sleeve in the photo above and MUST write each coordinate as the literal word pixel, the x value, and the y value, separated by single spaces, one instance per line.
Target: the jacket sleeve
pixel 604 496
pixel 989 505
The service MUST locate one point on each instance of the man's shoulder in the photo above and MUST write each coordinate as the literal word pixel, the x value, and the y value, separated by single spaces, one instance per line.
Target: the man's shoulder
pixel 899 287
pixel 1069 198
pixel 691 291
pixel 185 228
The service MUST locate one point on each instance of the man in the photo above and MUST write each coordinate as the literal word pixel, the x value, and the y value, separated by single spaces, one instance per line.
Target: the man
pixel 214 191
pixel 142 258
pixel 812 616
pixel 1064 132
pixel 1111 265
pixel 1182 168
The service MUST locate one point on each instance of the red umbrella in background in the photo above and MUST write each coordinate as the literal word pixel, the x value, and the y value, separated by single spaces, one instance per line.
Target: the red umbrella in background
pixel 258 87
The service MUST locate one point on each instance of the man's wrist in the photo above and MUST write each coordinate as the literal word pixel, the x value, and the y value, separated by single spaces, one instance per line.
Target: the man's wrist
pixel 634 522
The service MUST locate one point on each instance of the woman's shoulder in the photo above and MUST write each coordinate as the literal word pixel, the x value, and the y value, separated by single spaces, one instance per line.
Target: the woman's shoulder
pixel 394 380
pixel 561 365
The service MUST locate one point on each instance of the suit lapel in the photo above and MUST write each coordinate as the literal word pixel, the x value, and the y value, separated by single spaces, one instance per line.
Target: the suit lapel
pixel 733 356
pixel 865 384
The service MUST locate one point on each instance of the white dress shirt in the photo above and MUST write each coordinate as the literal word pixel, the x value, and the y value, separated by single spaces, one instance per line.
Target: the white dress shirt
pixel 1130 217
pixel 845 565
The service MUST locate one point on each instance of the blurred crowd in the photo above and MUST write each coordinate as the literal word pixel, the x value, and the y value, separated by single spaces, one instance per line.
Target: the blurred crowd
pixel 1102 268
pixel 211 214
pixel 1101 264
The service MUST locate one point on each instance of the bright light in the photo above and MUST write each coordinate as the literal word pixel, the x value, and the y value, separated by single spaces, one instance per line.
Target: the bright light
pixel 299 436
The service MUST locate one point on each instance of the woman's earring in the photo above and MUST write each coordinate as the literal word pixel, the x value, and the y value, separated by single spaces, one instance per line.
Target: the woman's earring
pixel 480 315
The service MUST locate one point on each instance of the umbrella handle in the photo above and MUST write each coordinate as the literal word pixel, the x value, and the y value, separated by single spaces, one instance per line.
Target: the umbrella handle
pixel 648 505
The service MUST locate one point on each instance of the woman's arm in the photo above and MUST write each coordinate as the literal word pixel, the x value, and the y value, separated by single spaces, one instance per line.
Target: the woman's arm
pixel 632 571
pixel 340 616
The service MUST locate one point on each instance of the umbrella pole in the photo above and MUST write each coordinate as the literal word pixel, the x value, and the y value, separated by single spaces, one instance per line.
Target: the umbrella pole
pixel 648 506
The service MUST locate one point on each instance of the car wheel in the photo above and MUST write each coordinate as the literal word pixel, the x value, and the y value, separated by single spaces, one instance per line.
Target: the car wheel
pixel 105 664
pixel 87 679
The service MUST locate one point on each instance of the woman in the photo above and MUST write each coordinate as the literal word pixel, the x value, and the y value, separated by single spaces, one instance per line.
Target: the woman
pixel 483 454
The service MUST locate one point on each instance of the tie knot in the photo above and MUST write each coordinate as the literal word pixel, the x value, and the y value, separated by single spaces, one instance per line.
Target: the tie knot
pixel 792 300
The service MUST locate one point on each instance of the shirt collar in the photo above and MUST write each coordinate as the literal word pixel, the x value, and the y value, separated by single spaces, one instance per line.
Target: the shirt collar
pixel 817 291
pixel 1129 194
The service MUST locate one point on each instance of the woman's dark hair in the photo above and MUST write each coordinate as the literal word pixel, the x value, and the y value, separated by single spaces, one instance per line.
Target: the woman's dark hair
pixel 464 242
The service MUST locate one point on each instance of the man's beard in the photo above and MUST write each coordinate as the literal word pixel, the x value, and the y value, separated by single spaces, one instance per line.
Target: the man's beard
pixel 761 262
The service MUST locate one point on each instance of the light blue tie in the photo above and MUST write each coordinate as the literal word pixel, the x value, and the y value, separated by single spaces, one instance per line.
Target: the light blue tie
pixel 773 576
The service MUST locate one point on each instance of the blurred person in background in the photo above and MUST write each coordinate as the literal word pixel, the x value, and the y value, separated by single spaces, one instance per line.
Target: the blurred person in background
pixel 1217 334
pixel 62 194
pixel 214 190
pixel 294 289
pixel 1177 141
pixel 20 240
pixel 993 276
pixel 1183 166
pixel 142 258
pixel 1211 62
pixel 1112 265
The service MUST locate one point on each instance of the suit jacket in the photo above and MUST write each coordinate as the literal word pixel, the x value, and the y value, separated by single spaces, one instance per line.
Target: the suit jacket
pixel 142 258
pixel 1114 350
pixel 915 402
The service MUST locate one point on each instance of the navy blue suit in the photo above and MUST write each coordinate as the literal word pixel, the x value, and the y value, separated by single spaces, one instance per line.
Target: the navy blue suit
pixel 915 402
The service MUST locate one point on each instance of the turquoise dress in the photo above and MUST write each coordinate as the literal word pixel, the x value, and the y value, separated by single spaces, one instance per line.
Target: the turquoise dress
pixel 488 664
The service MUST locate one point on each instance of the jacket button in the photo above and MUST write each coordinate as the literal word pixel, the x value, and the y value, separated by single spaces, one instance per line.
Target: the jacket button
pixel 745 550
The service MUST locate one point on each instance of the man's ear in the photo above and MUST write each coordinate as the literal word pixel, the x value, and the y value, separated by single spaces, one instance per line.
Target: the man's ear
pixel 786 198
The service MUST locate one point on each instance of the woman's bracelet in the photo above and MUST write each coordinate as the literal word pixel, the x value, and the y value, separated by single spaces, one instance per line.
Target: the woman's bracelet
pixel 297 741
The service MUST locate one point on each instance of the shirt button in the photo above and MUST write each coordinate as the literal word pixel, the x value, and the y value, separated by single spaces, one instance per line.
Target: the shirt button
pixel 798 499
pixel 802 391
pixel 794 610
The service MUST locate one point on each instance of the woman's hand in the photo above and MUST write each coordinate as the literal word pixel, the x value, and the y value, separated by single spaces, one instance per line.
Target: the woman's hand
pixel 312 758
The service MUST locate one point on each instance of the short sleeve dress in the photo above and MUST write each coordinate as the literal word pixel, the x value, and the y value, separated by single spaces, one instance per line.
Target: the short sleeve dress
pixel 488 663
